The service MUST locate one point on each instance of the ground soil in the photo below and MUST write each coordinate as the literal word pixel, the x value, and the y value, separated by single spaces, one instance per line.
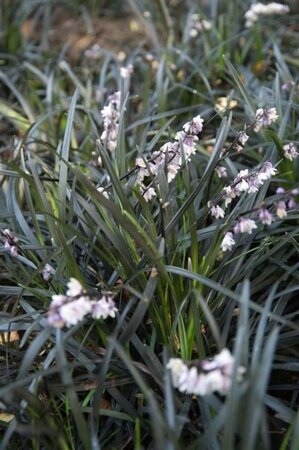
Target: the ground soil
pixel 75 34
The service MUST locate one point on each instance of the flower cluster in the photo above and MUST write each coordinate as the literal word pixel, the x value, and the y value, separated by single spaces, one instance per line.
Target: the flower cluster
pixel 287 202
pixel 169 157
pixel 247 225
pixel 10 242
pixel 247 182
pixel 264 118
pixel 198 25
pixel 244 182
pixel 110 114
pixel 70 309
pixel 206 376
pixel 259 9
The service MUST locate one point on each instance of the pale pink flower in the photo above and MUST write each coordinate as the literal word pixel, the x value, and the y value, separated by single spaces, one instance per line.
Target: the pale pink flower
pixel 291 203
pixel 148 193
pixel 266 217
pixel 267 171
pixel 290 151
pixel 217 212
pixel 47 272
pixel 72 308
pixel 188 142
pixel 280 190
pixel 195 126
pixel 287 86
pixel 264 118
pixel 244 226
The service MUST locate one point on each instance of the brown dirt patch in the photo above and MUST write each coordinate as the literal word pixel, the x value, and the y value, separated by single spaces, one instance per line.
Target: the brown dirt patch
pixel 75 35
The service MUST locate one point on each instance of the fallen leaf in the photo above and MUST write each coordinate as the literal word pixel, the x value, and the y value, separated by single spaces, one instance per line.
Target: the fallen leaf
pixel 223 103
pixel 6 417
pixel 11 336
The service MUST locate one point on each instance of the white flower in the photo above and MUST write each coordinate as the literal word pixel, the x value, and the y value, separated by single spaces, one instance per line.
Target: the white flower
pixel 228 241
pixel 244 226
pixel 266 217
pixel 74 288
pixel 259 9
pixel 193 33
pixel 280 190
pixel 212 376
pixel 125 72
pixel 290 151
pixel 103 308
pixel 58 300
pixel 217 212
pixel 241 185
pixel 229 193
pixel 74 312
pixel 72 308
pixel 198 25
pixel 172 171
pixel 281 210
pixel 221 171
pixel 103 191
pixel 238 148
pixel 188 381
pixel 243 138
pixel 177 368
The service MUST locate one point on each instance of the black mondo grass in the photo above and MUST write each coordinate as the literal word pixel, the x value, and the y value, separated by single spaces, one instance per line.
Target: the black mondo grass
pixel 149 188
